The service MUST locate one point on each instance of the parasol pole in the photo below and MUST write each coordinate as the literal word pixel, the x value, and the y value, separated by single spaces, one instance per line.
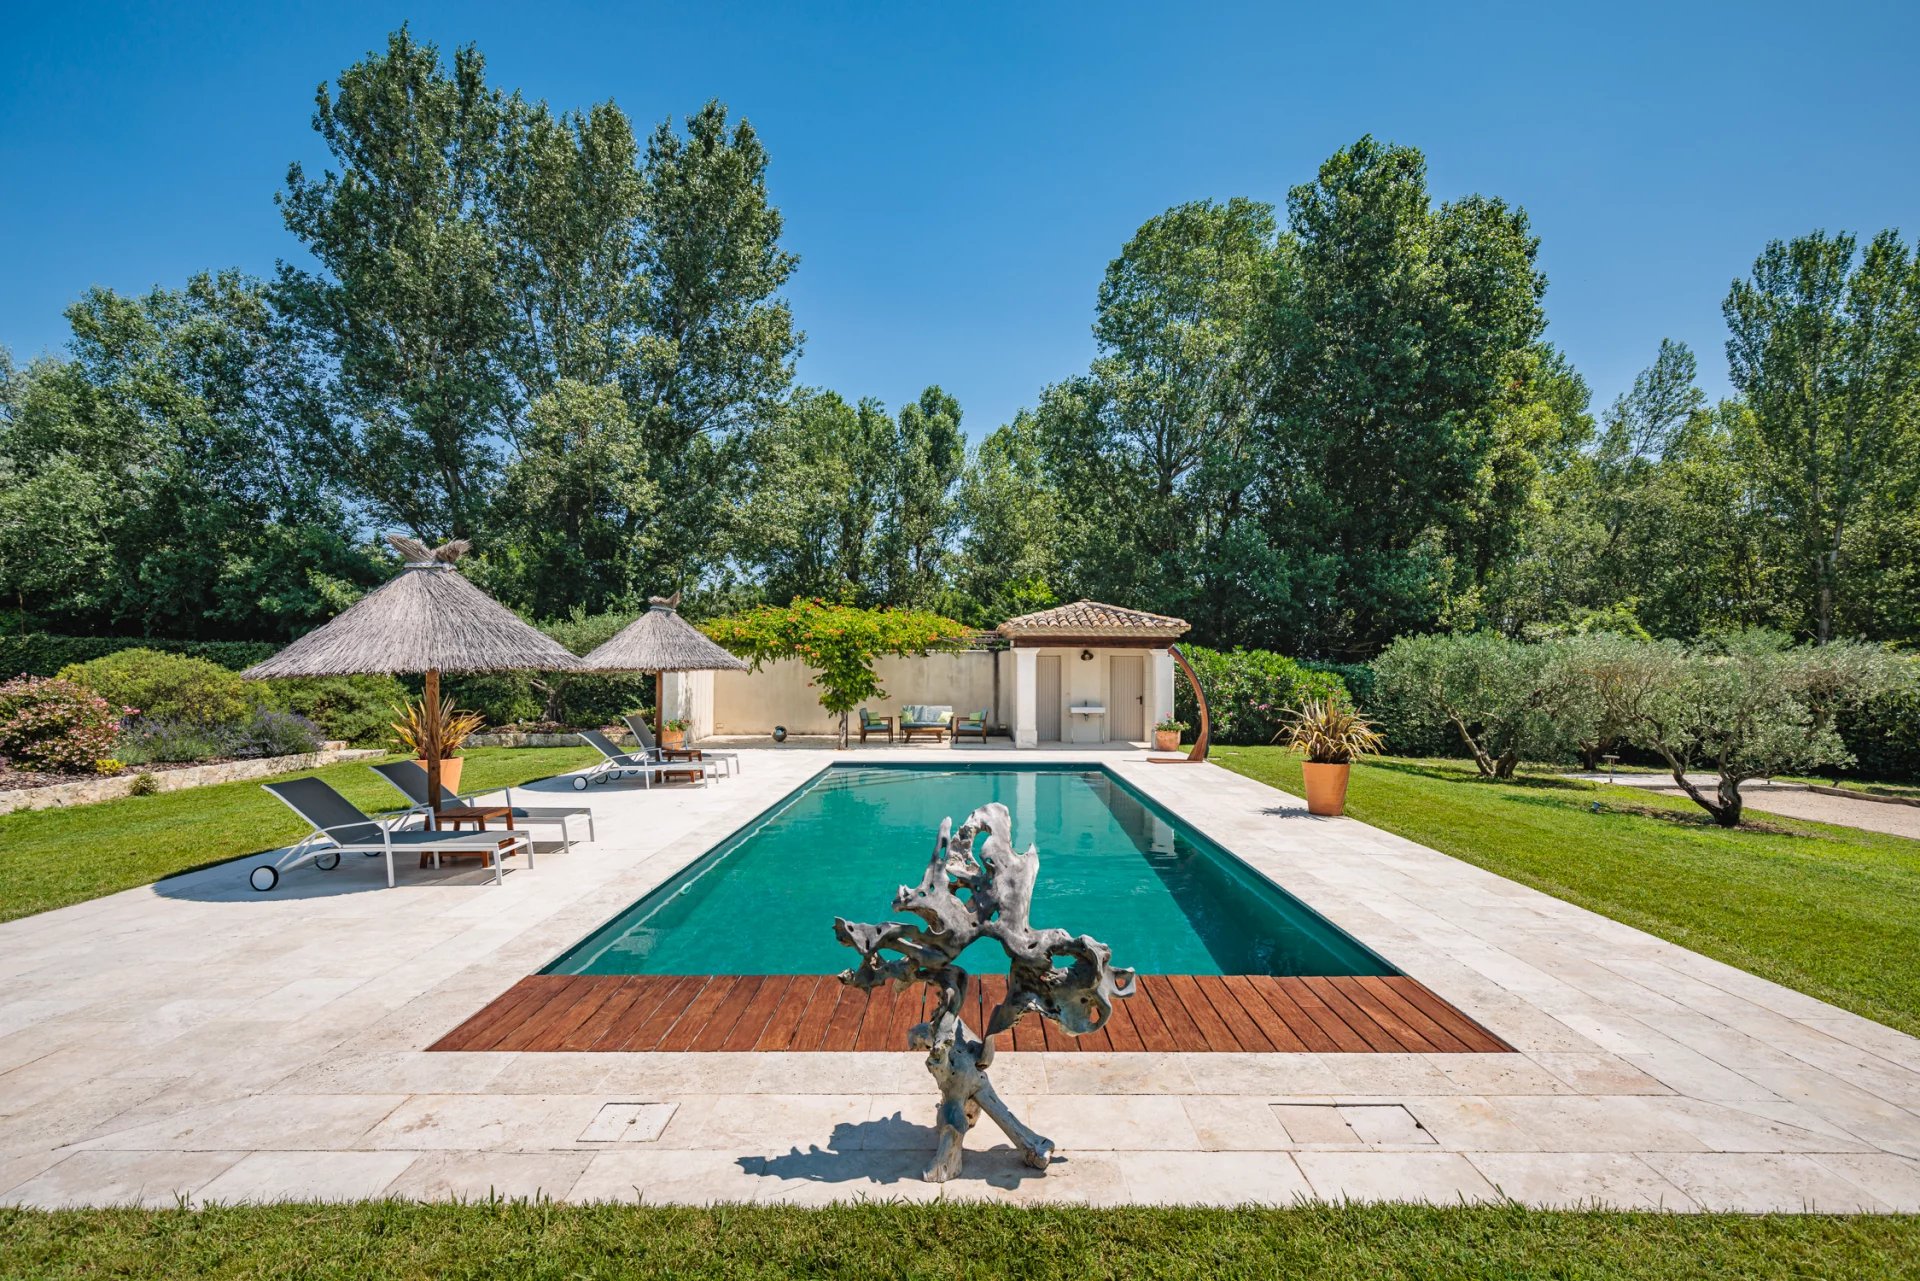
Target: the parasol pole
pixel 432 726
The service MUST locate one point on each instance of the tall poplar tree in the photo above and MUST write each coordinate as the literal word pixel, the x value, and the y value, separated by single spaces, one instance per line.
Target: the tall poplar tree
pixel 1824 343
pixel 1400 347
pixel 405 312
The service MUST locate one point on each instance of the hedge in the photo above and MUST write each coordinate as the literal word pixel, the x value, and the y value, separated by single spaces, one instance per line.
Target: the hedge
pixel 1885 737
pixel 1249 691
pixel 1357 677
pixel 44 654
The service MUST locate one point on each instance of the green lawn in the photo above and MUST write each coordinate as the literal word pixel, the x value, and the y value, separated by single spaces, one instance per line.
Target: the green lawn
pixel 50 858
pixel 1353 1243
pixel 1831 911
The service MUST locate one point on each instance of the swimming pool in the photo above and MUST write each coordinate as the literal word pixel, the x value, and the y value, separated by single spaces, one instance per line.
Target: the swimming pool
pixel 1112 864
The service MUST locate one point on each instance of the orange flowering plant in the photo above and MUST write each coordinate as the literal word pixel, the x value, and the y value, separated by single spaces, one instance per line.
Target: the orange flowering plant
pixel 838 642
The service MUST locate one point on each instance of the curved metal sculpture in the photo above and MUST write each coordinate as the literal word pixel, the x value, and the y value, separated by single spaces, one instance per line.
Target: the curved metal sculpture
pixel 1203 740
pixel 997 884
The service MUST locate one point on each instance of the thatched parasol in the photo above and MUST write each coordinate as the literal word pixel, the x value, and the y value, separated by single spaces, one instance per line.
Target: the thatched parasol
pixel 428 620
pixel 660 641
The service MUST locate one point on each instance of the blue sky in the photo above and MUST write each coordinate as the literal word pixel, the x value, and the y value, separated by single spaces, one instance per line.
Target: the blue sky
pixel 955 178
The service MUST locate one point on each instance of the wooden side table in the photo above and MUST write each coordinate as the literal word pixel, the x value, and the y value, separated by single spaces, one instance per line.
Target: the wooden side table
pixel 454 818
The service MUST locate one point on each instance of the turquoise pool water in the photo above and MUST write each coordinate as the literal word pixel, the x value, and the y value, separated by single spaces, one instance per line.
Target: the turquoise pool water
pixel 1112 864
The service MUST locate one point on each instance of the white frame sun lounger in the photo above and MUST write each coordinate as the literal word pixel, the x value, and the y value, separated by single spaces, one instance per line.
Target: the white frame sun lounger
pixel 410 781
pixel 615 763
pixel 340 828
pixel 643 735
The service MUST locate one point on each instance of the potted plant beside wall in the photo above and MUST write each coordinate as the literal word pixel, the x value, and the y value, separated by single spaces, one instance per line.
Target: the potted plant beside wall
pixel 1166 735
pixel 673 734
pixel 421 725
pixel 1331 734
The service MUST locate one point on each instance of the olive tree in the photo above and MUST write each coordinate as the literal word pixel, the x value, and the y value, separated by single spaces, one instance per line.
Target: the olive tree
pixel 1596 677
pixel 1747 705
pixel 1505 699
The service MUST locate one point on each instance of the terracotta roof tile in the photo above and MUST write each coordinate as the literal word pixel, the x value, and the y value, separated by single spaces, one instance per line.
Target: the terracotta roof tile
pixel 1093 618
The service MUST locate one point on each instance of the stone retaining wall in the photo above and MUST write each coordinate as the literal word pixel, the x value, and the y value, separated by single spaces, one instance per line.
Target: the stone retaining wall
pixel 88 790
pixel 516 739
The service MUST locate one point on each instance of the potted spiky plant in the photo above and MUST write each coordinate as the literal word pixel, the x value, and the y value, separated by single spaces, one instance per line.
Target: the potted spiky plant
pixel 1331 733
pixel 425 727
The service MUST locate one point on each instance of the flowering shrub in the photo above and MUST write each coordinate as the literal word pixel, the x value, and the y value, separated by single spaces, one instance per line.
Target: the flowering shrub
pixel 151 739
pixel 55 725
pixel 164 740
pixel 839 642
pixel 277 734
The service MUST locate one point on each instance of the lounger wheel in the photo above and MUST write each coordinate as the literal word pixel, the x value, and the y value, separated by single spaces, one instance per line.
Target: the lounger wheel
pixel 265 877
pixel 580 782
pixel 328 861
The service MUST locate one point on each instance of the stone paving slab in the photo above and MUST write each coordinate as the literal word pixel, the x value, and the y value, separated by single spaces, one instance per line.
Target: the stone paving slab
pixel 197 1040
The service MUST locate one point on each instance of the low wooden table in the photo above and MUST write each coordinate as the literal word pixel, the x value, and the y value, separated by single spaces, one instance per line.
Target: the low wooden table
pixel 455 818
pixel 696 762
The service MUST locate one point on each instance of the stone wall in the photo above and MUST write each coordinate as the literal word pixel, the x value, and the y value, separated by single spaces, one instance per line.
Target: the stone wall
pixel 514 738
pixel 780 693
pixel 88 790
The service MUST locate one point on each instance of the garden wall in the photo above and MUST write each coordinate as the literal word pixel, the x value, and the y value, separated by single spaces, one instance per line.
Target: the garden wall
pixel 779 693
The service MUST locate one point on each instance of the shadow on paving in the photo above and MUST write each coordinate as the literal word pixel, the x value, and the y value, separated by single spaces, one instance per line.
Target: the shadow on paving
pixel 891 1150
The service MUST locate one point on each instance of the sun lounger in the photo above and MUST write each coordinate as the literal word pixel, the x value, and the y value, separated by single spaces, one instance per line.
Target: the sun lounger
pixel 411 781
pixel 615 763
pixel 340 828
pixel 643 735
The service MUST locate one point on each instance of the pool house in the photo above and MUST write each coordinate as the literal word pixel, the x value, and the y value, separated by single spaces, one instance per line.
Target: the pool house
pixel 1090 673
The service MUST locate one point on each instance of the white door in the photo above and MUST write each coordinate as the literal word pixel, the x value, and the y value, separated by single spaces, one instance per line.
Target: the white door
pixel 1046 697
pixel 1126 698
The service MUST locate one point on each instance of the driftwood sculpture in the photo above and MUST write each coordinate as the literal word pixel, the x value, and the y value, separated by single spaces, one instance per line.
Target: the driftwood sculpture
pixel 962 898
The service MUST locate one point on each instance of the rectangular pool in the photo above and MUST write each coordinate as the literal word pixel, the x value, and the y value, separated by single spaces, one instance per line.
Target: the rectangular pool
pixel 1112 864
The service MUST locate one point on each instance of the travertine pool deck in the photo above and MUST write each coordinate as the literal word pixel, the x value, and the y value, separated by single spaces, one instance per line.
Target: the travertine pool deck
pixel 197 1039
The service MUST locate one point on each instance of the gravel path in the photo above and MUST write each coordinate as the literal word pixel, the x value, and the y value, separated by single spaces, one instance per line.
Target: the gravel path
pixel 1792 800
pixel 1872 816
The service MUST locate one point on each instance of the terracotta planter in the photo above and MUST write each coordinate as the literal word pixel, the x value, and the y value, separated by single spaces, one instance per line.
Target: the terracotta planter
pixel 1326 788
pixel 449 772
pixel 1166 740
pixel 673 739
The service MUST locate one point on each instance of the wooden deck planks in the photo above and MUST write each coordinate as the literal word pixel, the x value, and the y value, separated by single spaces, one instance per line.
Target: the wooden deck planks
pixel 1190 1013
pixel 1267 991
pixel 812 1028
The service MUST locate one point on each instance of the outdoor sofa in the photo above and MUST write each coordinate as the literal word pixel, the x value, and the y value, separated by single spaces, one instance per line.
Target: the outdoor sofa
pixel 921 718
